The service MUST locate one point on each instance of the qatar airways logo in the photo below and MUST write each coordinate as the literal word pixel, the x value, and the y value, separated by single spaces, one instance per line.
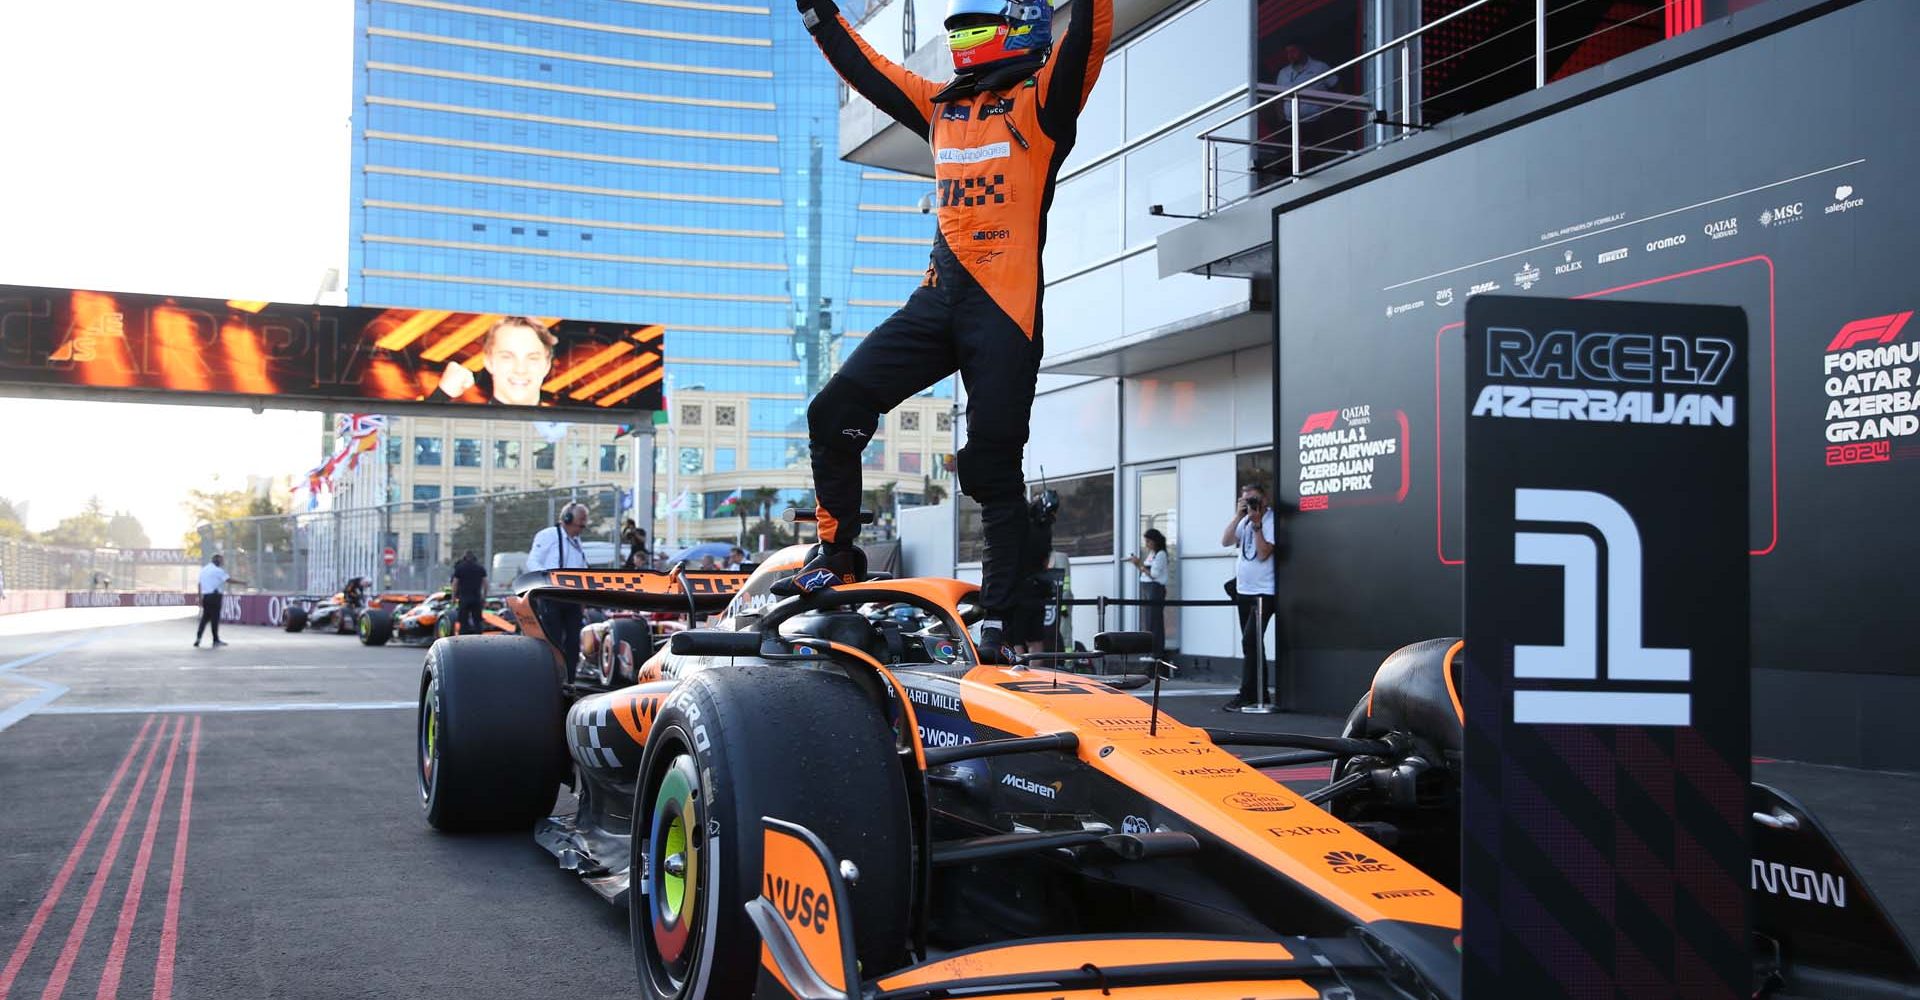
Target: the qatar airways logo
pixel 1517 355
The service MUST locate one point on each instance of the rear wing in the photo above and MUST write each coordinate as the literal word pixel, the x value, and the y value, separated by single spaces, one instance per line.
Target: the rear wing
pixel 632 589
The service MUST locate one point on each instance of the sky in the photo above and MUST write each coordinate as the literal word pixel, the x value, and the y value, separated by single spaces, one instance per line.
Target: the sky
pixel 197 148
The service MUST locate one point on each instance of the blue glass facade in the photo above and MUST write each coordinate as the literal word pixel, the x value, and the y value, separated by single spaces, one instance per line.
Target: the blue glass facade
pixel 643 161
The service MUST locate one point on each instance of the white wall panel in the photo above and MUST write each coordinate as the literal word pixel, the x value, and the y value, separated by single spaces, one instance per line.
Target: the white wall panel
pixel 1253 397
pixel 1083 310
pixel 1152 301
pixel 1180 410
pixel 1072 431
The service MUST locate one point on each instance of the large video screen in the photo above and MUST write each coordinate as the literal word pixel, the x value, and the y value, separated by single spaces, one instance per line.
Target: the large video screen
pixel 1726 182
pixel 345 357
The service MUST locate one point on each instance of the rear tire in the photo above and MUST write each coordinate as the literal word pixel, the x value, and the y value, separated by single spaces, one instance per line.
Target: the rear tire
pixel 294 619
pixel 490 739
pixel 619 669
pixel 728 747
pixel 376 627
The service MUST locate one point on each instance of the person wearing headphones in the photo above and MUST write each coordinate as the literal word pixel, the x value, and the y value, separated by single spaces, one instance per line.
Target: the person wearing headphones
pixel 558 547
pixel 999 132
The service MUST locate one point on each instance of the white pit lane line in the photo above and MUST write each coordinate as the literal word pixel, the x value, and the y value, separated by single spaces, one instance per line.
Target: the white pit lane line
pixel 217 707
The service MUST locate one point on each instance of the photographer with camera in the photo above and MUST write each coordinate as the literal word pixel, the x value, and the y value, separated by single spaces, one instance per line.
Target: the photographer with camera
pixel 1255 534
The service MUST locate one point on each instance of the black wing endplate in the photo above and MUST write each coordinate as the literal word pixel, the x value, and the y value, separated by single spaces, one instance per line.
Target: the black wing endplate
pixel 1811 902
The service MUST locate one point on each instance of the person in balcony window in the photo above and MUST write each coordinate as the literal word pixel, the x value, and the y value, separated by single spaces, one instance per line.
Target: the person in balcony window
pixel 999 132
pixel 1300 68
pixel 1319 131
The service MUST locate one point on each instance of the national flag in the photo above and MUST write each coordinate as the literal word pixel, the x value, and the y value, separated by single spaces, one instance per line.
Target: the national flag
pixel 682 503
pixel 729 506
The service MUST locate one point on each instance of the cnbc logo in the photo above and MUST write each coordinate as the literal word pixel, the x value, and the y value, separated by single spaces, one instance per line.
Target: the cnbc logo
pixel 1354 863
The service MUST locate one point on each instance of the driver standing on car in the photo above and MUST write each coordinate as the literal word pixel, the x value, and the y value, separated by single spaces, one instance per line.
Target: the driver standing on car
pixel 558 547
pixel 999 132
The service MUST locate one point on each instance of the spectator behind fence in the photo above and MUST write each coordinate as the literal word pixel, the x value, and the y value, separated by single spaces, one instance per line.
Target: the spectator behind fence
pixel 558 547
pixel 1154 574
pixel 635 539
pixel 213 582
pixel 1254 533
pixel 470 593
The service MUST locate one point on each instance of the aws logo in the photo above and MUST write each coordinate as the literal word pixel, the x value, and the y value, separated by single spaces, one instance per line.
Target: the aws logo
pixel 803 906
pixel 1354 863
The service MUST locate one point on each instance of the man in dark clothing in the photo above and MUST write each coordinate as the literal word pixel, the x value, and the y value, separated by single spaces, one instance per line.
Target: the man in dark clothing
pixel 470 593
pixel 999 132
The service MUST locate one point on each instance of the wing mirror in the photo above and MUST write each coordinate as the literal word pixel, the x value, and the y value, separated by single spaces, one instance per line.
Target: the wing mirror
pixel 715 642
pixel 1124 643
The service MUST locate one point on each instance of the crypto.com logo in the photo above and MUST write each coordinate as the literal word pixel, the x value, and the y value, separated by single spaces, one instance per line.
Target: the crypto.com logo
pixel 1600 702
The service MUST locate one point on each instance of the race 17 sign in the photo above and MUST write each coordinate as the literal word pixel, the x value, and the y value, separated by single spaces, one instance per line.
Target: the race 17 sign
pixel 1604 849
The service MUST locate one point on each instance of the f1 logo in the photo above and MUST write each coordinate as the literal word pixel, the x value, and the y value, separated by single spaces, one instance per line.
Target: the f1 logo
pixel 1601 701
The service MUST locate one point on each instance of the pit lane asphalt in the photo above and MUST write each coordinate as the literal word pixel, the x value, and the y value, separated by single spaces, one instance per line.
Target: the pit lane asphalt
pixel 290 849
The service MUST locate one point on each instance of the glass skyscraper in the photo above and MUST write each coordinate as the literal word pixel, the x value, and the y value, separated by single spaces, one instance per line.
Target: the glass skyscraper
pixel 645 161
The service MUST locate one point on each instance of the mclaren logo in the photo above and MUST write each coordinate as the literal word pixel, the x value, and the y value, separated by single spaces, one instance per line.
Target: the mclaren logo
pixel 1031 787
pixel 1355 863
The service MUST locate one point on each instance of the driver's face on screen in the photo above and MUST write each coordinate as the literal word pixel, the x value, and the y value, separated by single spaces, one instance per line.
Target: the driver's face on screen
pixel 518 362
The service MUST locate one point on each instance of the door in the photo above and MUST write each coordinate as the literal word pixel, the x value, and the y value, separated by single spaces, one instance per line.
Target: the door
pixel 1156 505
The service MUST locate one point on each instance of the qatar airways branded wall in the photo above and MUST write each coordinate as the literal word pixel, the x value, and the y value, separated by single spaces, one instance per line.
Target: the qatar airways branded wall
pixel 1721 182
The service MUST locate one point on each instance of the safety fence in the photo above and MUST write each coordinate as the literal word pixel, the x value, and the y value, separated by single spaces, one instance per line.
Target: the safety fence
pixel 26 565
pixel 409 544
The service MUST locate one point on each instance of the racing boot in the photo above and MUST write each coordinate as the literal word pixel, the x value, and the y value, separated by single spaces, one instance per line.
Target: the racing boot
pixel 992 647
pixel 832 564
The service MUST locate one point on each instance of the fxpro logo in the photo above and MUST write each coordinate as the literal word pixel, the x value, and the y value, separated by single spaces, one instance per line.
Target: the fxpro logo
pixel 1805 884
pixel 1624 697
pixel 1619 358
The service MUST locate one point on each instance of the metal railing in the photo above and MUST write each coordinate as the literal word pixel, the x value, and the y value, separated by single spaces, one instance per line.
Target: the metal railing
pixel 1319 125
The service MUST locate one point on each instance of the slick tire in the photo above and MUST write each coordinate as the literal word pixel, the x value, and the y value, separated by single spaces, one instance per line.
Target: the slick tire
pixel 619 669
pixel 728 747
pixel 376 627
pixel 490 750
pixel 294 619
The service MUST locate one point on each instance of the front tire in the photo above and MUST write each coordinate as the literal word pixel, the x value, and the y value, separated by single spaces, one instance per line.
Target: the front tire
pixel 490 737
pixel 728 747
pixel 294 619
pixel 376 627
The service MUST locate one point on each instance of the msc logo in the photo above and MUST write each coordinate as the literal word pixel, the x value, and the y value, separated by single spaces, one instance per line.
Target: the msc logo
pixel 1577 658
pixel 1354 863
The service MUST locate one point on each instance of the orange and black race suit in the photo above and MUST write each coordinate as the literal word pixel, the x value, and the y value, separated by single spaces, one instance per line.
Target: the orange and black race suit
pixel 998 139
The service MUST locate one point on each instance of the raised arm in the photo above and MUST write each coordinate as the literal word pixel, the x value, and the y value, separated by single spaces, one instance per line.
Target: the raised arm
pixel 906 97
pixel 1069 76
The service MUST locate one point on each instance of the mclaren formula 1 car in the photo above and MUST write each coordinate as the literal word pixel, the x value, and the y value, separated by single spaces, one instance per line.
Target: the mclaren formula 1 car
pixel 428 617
pixel 831 796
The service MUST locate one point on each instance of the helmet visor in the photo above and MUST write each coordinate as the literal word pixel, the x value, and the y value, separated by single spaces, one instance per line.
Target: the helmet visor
pixel 965 39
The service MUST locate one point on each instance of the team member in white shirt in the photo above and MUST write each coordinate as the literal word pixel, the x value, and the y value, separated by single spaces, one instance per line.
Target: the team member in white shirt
pixel 558 547
pixel 1153 587
pixel 1252 532
pixel 213 582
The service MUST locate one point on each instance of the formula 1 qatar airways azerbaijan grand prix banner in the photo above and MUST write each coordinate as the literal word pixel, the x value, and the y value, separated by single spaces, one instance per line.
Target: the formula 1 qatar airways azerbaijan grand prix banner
pixel 1720 183
pixel 311 355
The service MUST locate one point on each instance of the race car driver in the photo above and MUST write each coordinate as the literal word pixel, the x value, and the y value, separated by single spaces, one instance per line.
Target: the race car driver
pixel 999 132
